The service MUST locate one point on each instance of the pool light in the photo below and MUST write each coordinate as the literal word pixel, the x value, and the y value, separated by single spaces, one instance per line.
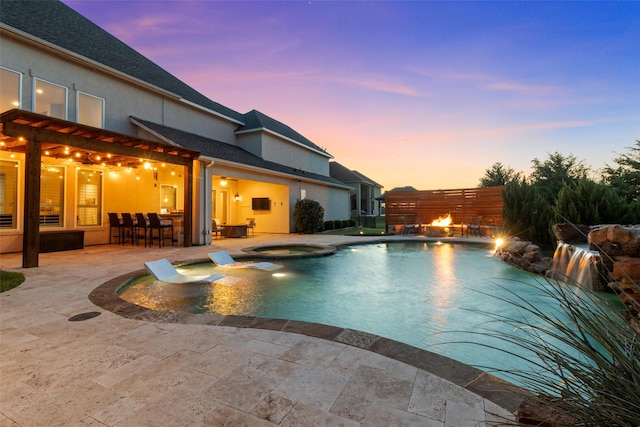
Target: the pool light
pixel 278 274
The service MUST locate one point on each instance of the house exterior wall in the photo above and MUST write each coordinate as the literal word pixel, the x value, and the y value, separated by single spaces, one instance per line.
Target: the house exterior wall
pixel 252 142
pixel 287 153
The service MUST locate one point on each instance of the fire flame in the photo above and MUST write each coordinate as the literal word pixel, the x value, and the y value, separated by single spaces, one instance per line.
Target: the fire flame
pixel 443 221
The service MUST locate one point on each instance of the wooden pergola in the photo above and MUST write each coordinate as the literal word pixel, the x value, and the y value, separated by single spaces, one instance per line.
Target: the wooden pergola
pixel 32 134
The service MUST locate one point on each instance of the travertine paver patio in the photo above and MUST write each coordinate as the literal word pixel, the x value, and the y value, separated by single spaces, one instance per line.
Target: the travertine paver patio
pixel 139 369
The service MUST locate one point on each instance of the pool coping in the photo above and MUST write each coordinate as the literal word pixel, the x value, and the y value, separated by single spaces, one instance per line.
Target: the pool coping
pixel 322 250
pixel 488 386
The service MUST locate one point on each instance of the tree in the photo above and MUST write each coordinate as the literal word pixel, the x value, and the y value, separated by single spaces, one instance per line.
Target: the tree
pixel 625 177
pixel 499 174
pixel 590 203
pixel 551 175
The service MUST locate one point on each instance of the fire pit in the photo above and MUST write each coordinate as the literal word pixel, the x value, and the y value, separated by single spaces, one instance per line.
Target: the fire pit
pixel 441 227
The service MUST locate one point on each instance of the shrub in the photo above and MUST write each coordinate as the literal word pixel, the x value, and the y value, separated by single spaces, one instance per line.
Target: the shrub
pixel 337 224
pixel 352 223
pixel 328 225
pixel 527 214
pixel 345 223
pixel 589 203
pixel 308 216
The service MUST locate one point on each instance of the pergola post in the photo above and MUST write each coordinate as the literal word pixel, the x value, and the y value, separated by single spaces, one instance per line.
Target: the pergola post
pixel 31 223
pixel 188 204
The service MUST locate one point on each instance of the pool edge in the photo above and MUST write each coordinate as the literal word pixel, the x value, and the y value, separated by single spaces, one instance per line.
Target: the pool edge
pixel 486 385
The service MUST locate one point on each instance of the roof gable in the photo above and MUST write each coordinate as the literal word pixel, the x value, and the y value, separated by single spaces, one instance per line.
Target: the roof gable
pixel 344 174
pixel 58 24
pixel 254 121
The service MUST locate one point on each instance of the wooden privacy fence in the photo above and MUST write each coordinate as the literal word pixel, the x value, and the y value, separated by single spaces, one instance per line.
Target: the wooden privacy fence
pixel 464 205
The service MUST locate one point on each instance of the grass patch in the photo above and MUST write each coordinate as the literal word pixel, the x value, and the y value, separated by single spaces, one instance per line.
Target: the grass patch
pixel 10 280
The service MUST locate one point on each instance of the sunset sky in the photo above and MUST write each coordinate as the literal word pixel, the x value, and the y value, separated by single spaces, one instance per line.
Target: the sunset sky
pixel 427 94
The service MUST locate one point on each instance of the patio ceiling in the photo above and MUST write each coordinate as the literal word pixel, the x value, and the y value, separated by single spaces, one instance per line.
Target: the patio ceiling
pixel 63 139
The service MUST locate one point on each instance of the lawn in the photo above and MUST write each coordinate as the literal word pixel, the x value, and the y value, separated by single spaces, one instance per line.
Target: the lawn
pixel 10 279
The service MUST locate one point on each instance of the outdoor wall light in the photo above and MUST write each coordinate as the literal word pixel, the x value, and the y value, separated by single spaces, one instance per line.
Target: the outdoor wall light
pixel 236 197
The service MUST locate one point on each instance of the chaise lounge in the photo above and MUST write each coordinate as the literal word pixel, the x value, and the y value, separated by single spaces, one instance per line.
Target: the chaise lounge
pixel 164 271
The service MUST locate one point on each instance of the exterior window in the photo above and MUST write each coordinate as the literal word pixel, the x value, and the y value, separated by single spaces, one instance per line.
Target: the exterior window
pixel 168 196
pixel 8 194
pixel 89 197
pixel 50 99
pixel 51 196
pixel 90 110
pixel 9 89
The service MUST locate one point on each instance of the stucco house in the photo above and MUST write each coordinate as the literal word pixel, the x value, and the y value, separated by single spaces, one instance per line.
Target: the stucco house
pixel 90 126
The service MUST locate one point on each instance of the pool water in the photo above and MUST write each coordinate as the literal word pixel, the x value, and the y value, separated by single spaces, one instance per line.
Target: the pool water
pixel 416 293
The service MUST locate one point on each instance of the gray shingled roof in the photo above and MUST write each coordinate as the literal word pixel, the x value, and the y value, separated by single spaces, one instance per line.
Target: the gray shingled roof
pixel 255 120
pixel 344 174
pixel 223 151
pixel 57 23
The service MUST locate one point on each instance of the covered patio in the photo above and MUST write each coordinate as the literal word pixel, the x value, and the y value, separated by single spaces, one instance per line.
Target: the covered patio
pixel 47 143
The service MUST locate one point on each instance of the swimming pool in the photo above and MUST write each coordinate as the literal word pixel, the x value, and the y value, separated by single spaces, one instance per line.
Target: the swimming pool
pixel 410 292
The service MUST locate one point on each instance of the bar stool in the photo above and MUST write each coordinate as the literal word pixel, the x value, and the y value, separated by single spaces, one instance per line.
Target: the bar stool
pixel 143 225
pixel 128 224
pixel 155 222
pixel 114 224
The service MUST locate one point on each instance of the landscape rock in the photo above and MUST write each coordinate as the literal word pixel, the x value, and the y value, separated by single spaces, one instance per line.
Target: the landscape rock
pixel 615 240
pixel 524 255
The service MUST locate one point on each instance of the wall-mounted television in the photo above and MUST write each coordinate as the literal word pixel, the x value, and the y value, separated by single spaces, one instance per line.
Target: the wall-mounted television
pixel 260 204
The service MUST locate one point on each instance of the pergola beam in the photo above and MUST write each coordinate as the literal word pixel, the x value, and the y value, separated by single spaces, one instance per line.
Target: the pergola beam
pixel 156 154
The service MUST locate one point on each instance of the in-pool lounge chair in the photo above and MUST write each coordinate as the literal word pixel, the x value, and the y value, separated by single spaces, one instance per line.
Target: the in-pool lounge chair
pixel 164 271
pixel 223 259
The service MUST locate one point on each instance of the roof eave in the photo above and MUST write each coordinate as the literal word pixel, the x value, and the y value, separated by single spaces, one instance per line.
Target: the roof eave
pixel 210 111
pixel 271 172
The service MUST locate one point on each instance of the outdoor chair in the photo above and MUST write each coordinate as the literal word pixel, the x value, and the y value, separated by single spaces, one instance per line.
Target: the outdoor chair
pixel 143 225
pixel 474 226
pixel 251 223
pixel 223 259
pixel 114 224
pixel 215 229
pixel 157 223
pixel 409 228
pixel 164 271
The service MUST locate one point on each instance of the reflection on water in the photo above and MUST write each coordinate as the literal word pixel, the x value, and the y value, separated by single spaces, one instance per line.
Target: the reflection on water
pixel 405 291
pixel 445 288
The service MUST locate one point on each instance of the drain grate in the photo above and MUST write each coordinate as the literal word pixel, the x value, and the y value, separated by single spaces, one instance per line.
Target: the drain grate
pixel 84 316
